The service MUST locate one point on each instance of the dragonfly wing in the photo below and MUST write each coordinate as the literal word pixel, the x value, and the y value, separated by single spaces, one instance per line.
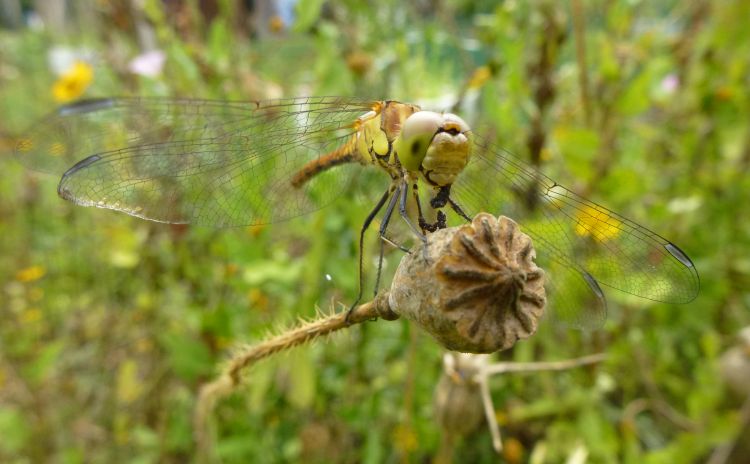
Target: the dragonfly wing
pixel 576 298
pixel 583 242
pixel 195 161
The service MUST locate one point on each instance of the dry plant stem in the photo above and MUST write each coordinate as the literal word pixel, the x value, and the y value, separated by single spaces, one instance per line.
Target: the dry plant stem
pixel 489 413
pixel 306 333
pixel 579 30
pixel 505 367
pixel 502 368
pixel 230 378
pixel 723 453
pixel 656 399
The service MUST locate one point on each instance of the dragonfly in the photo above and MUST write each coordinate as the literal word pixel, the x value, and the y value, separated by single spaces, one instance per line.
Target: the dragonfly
pixel 228 164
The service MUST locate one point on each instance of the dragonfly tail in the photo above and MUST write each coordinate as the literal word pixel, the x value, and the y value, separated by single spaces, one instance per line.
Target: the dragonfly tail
pixel 344 154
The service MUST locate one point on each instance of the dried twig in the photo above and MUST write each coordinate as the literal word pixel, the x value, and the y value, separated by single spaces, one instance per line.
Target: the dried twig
pixel 504 367
pixel 470 375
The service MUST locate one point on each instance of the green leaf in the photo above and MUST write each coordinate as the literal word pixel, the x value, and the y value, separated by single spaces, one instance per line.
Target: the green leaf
pixel 578 147
pixel 13 429
pixel 188 357
pixel 302 376
pixel 308 12
pixel 46 361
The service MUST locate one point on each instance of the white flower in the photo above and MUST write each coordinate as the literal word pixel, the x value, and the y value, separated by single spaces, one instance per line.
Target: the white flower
pixel 148 64
pixel 61 58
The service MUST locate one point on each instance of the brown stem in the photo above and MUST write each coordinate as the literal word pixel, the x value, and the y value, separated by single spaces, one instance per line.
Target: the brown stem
pixel 579 30
pixel 230 377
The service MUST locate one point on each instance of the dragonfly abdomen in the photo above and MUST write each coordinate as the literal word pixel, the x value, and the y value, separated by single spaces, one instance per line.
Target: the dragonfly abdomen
pixel 344 154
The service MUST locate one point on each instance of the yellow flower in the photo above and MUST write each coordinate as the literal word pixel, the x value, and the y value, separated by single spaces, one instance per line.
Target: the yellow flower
pixel 513 450
pixel 256 230
pixel 31 316
pixel 481 75
pixel 144 345
pixel 276 24
pixel 73 82
pixel 30 274
pixel 596 224
pixel 257 299
pixel 724 93
pixel 404 438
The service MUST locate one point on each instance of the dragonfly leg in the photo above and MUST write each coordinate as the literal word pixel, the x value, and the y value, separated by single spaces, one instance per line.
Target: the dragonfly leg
pixel 442 197
pixel 365 226
pixel 415 194
pixel 457 208
pixel 402 211
pixel 383 228
pixel 419 233
pixel 395 245
pixel 423 224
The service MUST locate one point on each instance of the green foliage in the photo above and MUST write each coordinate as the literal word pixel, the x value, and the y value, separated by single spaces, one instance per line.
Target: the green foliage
pixel 110 324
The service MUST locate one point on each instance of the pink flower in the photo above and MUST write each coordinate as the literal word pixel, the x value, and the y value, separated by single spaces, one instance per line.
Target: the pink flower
pixel 670 83
pixel 148 64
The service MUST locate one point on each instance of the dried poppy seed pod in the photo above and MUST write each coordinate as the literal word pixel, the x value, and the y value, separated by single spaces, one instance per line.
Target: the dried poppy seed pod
pixel 476 288
pixel 457 405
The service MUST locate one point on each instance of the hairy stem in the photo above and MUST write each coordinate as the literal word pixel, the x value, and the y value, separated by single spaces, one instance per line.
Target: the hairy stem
pixel 231 376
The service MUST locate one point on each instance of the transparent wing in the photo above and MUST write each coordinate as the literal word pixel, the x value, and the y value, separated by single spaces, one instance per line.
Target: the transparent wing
pixel 578 242
pixel 207 162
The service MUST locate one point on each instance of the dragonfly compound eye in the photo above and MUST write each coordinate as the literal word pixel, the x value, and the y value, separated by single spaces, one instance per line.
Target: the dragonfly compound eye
pixel 415 137
pixel 448 153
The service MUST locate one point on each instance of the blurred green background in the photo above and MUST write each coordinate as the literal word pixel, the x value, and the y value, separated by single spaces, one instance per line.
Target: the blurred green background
pixel 110 324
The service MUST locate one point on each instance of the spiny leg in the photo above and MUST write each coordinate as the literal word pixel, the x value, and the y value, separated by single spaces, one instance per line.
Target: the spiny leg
pixel 402 211
pixel 419 233
pixel 443 197
pixel 383 229
pixel 394 244
pixel 415 194
pixel 423 224
pixel 455 207
pixel 365 225
pixel 383 237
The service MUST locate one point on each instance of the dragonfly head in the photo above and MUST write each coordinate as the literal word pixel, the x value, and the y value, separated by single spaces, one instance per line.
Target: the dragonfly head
pixel 435 144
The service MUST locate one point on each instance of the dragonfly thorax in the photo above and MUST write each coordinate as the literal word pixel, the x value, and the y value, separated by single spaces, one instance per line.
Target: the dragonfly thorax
pixel 434 144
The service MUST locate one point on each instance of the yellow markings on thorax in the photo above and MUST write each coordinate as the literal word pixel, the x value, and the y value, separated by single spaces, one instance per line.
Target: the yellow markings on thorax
pixel 349 151
pixel 380 128
pixel 371 142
